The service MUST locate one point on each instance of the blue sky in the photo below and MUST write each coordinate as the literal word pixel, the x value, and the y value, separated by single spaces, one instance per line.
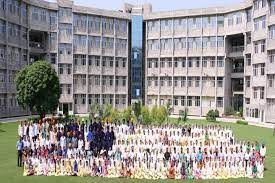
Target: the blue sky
pixel 158 5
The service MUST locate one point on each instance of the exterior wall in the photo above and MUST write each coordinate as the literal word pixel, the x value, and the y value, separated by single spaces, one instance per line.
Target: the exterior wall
pixel 188 59
pixel 204 92
pixel 88 47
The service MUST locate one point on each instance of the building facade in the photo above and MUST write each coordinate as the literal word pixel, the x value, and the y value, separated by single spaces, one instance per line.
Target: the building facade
pixel 213 58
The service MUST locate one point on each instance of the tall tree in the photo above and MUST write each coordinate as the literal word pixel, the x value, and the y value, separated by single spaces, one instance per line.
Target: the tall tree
pixel 137 110
pixel 145 115
pixel 38 88
pixel 94 110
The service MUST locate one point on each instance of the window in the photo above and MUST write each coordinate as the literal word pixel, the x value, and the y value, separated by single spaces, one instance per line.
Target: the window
pixel 219 101
pixel 220 62
pixel 272 7
pixel 197 101
pixel 249 15
pixel 247 81
pixel 182 81
pixel 220 41
pixel 190 63
pixel 255 93
pixel 212 62
pixel 60 68
pixel 238 18
pixel 248 38
pixel 190 82
pixel 197 82
pixel 189 101
pixel 230 20
pixel 262 69
pixel 271 80
pixel 220 82
pixel 220 21
pixel 53 58
pixel 182 100
pixel 69 87
pixel 255 70
pixel 247 101
pixel 204 62
pixel 248 59
pixel 260 23
pixel 272 32
pixel 261 92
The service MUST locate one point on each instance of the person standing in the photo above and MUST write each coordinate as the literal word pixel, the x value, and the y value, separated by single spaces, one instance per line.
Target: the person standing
pixel 19 147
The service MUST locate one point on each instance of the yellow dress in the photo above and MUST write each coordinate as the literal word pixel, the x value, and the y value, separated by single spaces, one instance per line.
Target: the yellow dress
pixel 58 170
pixel 26 169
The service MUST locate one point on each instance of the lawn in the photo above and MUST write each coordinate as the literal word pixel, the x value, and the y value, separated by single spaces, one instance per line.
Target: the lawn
pixel 9 172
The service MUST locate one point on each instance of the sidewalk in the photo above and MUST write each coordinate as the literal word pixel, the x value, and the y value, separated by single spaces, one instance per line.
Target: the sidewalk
pixel 231 120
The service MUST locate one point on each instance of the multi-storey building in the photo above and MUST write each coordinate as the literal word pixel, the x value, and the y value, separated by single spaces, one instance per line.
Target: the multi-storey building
pixel 200 59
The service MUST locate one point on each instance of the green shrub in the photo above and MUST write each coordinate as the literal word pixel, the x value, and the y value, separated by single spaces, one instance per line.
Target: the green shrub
pixel 242 122
pixel 217 113
pixel 229 111
pixel 183 114
pixel 241 112
pixel 211 115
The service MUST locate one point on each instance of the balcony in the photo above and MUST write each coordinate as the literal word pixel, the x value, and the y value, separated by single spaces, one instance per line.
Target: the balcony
pixel 235 51
pixel 237 86
pixel 238 70
pixel 36 47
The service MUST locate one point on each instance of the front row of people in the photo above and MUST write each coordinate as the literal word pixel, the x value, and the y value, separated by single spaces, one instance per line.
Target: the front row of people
pixel 141 169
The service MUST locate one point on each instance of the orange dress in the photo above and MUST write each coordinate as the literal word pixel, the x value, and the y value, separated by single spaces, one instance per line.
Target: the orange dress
pixel 172 173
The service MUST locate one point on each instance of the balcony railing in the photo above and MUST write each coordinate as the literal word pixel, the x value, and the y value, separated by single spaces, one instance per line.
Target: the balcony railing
pixel 237 48
pixel 237 88
pixel 238 70
pixel 36 45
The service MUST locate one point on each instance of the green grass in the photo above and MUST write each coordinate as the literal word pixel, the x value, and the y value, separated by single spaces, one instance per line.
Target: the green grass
pixel 9 172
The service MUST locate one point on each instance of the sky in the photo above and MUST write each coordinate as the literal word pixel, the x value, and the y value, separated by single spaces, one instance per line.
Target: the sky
pixel 158 5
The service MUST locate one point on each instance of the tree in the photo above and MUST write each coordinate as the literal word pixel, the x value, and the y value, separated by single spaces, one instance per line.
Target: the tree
pixel 168 111
pixel 127 114
pixel 145 115
pixel 137 109
pixel 106 111
pixel 183 114
pixel 162 114
pixel 38 88
pixel 115 115
pixel 154 113
pixel 94 110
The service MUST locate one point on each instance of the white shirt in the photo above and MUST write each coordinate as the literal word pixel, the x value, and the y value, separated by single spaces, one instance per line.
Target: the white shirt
pixel 262 151
pixel 20 130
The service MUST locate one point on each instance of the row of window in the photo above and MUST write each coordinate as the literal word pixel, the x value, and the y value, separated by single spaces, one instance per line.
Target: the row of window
pixel 105 99
pixel 259 69
pixel 181 62
pixel 104 80
pixel 185 101
pixel 197 22
pixel 183 43
pixel 180 81
pixel 10 101
pixel 258 92
pixel 81 22
pixel 95 61
pixel 3 76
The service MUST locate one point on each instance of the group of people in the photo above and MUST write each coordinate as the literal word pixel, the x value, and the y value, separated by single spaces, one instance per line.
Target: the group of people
pixel 137 151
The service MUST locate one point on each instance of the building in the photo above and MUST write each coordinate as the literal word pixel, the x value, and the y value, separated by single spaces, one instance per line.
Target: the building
pixel 212 58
